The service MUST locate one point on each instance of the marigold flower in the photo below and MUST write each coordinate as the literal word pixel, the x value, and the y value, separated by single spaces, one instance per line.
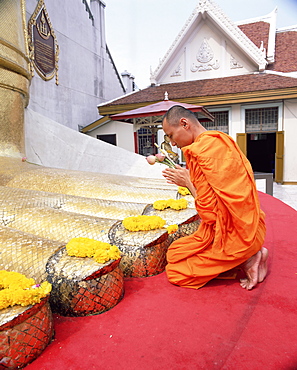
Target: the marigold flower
pixel 101 256
pixel 17 289
pixel 183 191
pixel 102 252
pixel 160 205
pixel 178 204
pixel 114 252
pixel 81 247
pixel 171 229
pixel 175 204
pixel 12 279
pixel 143 223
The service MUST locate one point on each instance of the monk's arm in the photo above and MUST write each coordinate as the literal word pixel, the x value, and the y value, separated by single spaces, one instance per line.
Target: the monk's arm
pixel 179 176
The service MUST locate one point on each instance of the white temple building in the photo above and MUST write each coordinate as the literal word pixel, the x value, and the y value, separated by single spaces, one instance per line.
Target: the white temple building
pixel 244 74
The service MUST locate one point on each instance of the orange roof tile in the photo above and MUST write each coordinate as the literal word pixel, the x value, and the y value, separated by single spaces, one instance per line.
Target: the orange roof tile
pixel 285 52
pixel 257 32
pixel 208 87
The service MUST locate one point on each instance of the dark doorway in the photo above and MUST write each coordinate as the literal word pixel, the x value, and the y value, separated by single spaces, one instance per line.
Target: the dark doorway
pixel 261 151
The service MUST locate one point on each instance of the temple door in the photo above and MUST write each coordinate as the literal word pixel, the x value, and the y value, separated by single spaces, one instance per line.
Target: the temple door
pixel 241 139
pixel 279 157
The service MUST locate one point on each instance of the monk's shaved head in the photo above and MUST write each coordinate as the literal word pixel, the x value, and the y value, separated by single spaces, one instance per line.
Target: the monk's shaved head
pixel 181 126
pixel 175 113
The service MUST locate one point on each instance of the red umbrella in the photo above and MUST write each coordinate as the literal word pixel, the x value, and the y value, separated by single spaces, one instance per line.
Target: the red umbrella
pixel 160 108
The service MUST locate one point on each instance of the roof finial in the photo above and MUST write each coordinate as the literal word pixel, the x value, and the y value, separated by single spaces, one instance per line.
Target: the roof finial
pixel 166 95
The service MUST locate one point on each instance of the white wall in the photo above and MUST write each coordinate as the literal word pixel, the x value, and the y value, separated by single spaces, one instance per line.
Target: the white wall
pixel 236 121
pixel 53 145
pixel 221 50
pixel 124 133
pixel 86 74
pixel 290 152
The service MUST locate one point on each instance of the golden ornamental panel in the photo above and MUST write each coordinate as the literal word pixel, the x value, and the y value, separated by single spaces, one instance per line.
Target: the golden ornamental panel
pixel 43 45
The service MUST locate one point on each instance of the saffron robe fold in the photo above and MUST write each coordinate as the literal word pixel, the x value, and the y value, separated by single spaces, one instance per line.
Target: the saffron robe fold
pixel 232 227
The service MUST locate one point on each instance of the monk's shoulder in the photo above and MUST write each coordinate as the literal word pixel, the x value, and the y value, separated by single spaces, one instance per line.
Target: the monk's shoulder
pixel 210 142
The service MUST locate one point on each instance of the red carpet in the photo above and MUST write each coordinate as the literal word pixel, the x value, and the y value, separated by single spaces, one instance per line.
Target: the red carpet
pixel 221 326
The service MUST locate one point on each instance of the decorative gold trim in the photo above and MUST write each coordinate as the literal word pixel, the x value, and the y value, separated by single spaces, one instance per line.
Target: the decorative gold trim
pixel 23 7
pixel 32 23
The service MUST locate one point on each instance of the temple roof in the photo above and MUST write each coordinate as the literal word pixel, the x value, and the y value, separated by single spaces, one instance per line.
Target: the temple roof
pixel 209 91
pixel 285 52
pixel 271 74
pixel 257 32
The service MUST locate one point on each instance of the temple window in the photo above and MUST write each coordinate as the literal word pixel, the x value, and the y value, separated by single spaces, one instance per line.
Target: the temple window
pixel 220 123
pixel 261 119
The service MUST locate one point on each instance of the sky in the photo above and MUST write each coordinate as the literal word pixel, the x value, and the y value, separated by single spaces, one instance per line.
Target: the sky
pixel 139 32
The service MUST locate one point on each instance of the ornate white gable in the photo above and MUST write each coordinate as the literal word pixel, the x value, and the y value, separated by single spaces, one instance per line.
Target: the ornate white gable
pixel 210 45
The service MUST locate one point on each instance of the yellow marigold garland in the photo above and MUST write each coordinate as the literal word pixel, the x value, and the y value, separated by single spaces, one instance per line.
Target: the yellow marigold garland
pixel 84 247
pixel 183 191
pixel 175 204
pixel 143 223
pixel 16 289
pixel 160 205
pixel 178 204
pixel 146 223
pixel 171 229
pixel 110 253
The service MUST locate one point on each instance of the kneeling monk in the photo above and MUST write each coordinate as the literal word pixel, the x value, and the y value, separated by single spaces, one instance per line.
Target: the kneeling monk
pixel 221 179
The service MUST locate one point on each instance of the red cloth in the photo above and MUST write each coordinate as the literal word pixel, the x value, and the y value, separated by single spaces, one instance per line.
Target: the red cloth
pixel 232 227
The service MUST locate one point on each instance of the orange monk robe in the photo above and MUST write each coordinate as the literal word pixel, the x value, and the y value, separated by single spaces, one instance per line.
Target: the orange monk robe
pixel 232 227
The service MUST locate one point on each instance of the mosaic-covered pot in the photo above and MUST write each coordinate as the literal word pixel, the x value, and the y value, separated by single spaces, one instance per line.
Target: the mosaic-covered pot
pixel 24 333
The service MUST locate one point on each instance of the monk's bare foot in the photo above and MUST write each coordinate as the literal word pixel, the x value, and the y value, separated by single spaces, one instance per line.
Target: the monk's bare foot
pixel 251 269
pixel 263 265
